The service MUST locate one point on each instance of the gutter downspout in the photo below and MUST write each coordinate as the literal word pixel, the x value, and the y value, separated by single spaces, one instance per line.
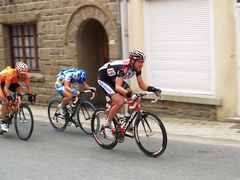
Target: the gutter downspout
pixel 119 28
pixel 126 40
pixel 126 35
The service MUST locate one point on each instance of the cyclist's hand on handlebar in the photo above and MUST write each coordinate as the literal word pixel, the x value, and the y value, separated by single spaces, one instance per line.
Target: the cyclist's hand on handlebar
pixel 158 92
pixel 9 98
pixel 93 89
pixel 30 98
pixel 134 96
pixel 155 90
pixel 75 92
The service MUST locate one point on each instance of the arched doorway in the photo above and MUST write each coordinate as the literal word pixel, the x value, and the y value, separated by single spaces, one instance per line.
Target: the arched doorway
pixel 92 52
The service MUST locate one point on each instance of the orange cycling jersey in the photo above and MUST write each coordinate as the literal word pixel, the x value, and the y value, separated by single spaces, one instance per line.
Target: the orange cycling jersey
pixel 9 75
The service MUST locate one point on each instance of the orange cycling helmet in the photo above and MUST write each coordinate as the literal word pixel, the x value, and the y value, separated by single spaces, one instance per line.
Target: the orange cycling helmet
pixel 21 67
pixel 137 55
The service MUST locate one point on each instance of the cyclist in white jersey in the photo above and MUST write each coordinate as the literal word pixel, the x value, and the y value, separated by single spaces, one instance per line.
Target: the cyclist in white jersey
pixel 111 80
pixel 64 82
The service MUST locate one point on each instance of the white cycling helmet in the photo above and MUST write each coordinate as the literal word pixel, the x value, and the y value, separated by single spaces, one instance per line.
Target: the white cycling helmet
pixel 21 67
pixel 137 55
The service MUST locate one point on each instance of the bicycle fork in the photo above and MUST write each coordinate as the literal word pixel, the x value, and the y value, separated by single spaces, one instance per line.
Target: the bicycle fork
pixel 144 121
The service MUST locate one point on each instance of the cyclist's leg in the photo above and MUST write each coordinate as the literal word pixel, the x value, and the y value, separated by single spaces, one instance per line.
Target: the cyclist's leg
pixel 118 102
pixel 116 98
pixel 129 111
pixel 15 87
pixel 67 98
pixel 127 87
pixel 4 108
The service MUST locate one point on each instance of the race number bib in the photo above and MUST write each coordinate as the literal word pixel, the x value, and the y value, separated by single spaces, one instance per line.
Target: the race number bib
pixel 111 72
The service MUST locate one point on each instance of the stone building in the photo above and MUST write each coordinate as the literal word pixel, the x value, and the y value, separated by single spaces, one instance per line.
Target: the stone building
pixel 191 46
pixel 51 34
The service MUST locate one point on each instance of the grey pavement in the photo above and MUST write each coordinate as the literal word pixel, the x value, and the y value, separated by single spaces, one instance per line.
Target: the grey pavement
pixel 212 132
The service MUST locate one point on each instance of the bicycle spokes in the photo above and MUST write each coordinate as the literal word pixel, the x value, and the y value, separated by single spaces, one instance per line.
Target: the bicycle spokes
pixel 98 130
pixel 150 135
pixel 57 122
pixel 24 122
pixel 147 129
pixel 85 113
pixel 22 117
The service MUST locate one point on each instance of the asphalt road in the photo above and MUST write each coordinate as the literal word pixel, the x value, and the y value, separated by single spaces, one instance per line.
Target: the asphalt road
pixel 50 155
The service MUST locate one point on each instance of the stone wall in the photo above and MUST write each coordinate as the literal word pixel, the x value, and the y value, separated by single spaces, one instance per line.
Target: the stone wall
pixel 56 27
pixel 181 110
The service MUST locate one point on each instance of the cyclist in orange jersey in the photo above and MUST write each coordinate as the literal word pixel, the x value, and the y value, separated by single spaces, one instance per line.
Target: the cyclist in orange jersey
pixel 9 80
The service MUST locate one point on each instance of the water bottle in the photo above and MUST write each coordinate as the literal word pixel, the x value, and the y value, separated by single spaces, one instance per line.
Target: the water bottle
pixel 108 102
pixel 69 108
pixel 127 116
pixel 73 105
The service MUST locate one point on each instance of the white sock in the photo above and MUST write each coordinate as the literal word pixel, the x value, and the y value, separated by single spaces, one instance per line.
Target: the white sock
pixel 127 114
pixel 107 123
pixel 61 105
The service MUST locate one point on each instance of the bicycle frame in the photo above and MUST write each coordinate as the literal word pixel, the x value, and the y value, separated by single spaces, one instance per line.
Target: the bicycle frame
pixel 13 106
pixel 149 131
pixel 19 111
pixel 136 111
pixel 77 101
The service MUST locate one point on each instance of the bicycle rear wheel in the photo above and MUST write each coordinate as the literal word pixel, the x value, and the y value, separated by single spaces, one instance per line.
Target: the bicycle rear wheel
pixel 150 134
pixel 57 122
pixel 84 113
pixel 97 126
pixel 23 122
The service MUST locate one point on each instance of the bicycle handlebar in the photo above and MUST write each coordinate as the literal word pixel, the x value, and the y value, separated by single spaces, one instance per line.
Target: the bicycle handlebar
pixel 88 91
pixel 140 95
pixel 34 95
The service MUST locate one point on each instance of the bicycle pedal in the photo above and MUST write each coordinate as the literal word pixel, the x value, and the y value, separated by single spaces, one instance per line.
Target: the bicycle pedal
pixel 76 125
pixel 22 121
pixel 129 134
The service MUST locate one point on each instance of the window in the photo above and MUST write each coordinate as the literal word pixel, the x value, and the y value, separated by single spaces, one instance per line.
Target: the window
pixel 24 45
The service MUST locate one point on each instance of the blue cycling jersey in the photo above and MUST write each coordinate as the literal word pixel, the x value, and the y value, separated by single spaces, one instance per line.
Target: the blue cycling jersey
pixel 67 75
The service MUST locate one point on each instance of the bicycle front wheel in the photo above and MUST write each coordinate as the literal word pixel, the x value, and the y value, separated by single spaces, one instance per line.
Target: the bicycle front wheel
pixel 23 122
pixel 150 134
pixel 97 126
pixel 84 113
pixel 59 123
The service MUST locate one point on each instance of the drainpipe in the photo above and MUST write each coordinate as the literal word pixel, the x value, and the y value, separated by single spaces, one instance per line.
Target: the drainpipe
pixel 126 35
pixel 126 39
pixel 123 54
pixel 119 28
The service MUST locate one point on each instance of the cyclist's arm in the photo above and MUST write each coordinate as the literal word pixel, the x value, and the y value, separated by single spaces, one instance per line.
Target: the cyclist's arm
pixel 67 86
pixel 118 86
pixel 85 86
pixel 143 85
pixel 6 88
pixel 29 88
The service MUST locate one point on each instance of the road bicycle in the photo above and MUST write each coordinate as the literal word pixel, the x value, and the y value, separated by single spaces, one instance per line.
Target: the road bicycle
pixel 78 113
pixel 21 115
pixel 148 130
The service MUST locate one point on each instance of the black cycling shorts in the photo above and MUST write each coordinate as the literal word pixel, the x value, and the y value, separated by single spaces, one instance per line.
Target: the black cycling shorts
pixel 108 86
pixel 13 87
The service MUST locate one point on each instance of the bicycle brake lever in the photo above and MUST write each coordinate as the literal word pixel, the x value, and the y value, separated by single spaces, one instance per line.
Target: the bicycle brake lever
pixel 93 95
pixel 155 100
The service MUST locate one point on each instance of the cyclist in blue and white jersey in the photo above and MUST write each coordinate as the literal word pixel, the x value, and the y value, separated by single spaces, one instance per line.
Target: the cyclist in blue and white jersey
pixel 63 85
pixel 111 80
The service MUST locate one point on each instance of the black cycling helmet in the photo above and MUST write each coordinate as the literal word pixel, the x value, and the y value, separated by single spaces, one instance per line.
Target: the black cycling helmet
pixel 137 55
